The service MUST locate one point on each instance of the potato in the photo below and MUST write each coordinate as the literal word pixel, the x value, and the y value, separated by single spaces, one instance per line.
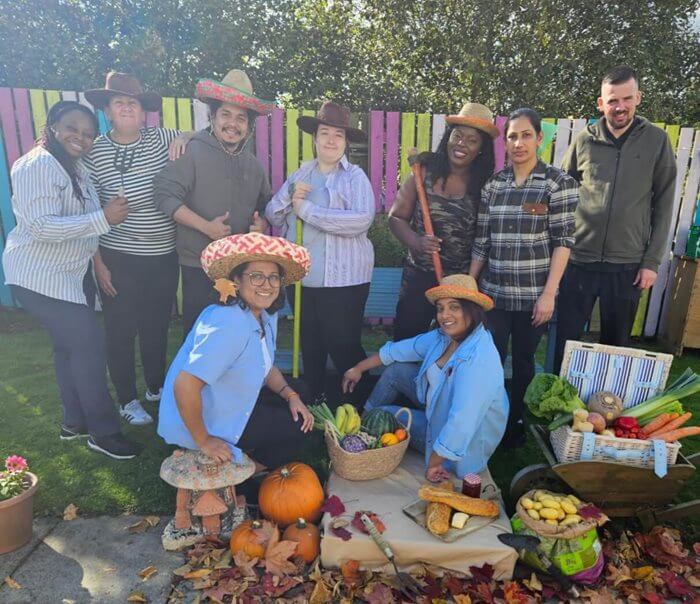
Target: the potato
pixel 598 422
pixel 568 507
pixel 572 519
pixel 552 522
pixel 562 515
pixel 573 499
pixel 550 503
pixel 534 514
pixel 549 513
pixel 538 505
pixel 527 503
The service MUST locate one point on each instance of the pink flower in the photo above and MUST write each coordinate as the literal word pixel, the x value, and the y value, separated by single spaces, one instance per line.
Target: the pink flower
pixel 15 463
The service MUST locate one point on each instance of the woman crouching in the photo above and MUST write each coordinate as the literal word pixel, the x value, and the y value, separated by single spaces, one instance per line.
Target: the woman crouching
pixel 453 376
pixel 213 398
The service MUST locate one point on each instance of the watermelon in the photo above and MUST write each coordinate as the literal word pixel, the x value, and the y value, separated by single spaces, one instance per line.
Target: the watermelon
pixel 378 421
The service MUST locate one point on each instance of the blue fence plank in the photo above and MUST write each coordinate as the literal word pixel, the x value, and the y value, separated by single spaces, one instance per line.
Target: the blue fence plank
pixel 8 219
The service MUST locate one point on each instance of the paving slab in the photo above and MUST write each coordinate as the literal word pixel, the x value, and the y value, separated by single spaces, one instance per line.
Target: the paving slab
pixel 10 561
pixel 94 560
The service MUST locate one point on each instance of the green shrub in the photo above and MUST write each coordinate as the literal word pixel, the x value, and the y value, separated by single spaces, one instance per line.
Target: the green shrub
pixel 388 251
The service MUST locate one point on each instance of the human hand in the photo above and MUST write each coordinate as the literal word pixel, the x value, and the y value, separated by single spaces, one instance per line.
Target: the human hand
pixel 298 408
pixel 301 190
pixel 116 210
pixel 258 225
pixel 645 278
pixel 217 449
pixel 543 309
pixel 429 244
pixel 217 228
pixel 350 379
pixel 104 278
pixel 437 473
pixel 179 145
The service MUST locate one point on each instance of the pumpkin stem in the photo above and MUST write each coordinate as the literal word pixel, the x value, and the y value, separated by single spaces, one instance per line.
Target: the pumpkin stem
pixel 256 524
pixel 301 523
pixel 284 472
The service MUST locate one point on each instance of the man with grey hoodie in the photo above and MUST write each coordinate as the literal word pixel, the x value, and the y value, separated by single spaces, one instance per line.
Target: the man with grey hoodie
pixel 217 187
pixel 627 171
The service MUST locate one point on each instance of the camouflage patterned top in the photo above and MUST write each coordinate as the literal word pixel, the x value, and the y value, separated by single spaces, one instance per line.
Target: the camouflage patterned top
pixel 454 221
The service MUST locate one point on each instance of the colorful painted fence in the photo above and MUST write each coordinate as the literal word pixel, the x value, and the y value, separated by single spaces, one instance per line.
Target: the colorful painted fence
pixel 281 147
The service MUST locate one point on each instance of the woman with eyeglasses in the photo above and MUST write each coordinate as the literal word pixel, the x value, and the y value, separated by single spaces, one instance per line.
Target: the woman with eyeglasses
pixel 222 394
pixel 453 176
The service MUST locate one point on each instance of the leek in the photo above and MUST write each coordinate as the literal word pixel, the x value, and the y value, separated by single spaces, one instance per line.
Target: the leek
pixel 668 401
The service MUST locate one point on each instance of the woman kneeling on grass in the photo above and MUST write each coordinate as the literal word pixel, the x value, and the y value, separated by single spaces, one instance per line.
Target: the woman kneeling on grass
pixel 212 399
pixel 452 375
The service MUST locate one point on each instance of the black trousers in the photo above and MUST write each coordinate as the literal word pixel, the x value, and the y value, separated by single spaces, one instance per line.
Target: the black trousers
pixel 197 294
pixel 146 288
pixel 578 292
pixel 331 324
pixel 517 327
pixel 413 311
pixel 272 437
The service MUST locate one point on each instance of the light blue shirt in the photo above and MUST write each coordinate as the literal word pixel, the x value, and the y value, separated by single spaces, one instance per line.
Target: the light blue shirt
pixel 223 350
pixel 314 239
pixel 467 410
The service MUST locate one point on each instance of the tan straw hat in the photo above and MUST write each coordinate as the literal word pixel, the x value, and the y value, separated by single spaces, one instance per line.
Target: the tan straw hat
pixel 220 257
pixel 236 89
pixel 477 116
pixel 462 287
pixel 123 84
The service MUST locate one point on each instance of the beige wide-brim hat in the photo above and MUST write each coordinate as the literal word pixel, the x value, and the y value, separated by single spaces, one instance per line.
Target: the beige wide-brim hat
pixel 220 257
pixel 236 89
pixel 332 114
pixel 123 84
pixel 477 116
pixel 462 287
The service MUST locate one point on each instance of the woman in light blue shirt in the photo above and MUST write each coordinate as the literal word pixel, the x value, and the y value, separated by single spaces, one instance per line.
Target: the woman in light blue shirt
pixel 453 377
pixel 212 399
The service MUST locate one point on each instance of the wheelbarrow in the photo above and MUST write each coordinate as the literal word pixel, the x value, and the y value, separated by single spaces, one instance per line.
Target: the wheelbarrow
pixel 619 490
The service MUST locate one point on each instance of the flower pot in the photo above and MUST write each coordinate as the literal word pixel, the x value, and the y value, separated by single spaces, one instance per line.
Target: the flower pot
pixel 16 515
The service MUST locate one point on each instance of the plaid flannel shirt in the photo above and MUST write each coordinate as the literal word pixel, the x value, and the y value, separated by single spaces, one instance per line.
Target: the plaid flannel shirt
pixel 517 229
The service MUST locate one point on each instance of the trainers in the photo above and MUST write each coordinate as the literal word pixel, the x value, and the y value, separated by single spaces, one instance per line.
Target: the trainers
pixel 116 446
pixel 135 414
pixel 153 398
pixel 71 432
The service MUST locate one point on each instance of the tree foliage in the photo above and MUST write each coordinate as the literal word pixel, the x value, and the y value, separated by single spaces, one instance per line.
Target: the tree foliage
pixel 424 55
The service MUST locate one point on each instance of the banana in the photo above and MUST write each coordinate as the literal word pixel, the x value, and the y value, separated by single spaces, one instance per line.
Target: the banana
pixel 341 417
pixel 353 424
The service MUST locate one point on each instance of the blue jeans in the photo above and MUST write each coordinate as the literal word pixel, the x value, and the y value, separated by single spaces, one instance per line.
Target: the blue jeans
pixel 398 382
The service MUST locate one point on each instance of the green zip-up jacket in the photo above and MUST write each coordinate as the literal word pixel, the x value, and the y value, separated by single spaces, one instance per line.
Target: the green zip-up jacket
pixel 625 196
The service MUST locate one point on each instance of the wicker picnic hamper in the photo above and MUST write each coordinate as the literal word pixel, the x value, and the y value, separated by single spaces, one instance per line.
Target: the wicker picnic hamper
pixel 371 463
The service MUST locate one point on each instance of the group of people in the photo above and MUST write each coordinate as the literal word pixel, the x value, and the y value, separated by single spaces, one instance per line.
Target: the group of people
pixel 135 207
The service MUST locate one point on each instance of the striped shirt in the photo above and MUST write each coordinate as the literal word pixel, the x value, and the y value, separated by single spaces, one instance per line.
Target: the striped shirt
pixel 146 231
pixel 349 253
pixel 517 229
pixel 57 234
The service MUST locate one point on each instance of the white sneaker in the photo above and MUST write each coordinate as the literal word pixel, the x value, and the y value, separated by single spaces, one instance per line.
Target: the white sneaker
pixel 153 398
pixel 135 414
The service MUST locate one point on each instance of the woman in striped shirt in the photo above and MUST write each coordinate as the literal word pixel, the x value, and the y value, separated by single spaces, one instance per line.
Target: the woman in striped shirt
pixel 46 263
pixel 136 266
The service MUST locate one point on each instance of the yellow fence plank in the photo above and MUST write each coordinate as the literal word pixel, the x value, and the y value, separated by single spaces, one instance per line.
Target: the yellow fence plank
pixel 423 136
pixel 408 140
pixel 169 116
pixel 184 114
pixel 38 103
pixel 307 148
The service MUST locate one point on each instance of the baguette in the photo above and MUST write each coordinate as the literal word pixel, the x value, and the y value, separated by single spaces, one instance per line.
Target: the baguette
pixel 437 515
pixel 459 502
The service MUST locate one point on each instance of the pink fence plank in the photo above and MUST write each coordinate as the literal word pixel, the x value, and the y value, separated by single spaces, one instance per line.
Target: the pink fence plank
pixel 499 144
pixel 262 143
pixel 24 119
pixel 9 130
pixel 393 119
pixel 277 149
pixel 152 119
pixel 376 155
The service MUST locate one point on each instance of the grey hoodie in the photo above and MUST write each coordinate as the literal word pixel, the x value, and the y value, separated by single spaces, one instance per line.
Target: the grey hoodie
pixel 210 182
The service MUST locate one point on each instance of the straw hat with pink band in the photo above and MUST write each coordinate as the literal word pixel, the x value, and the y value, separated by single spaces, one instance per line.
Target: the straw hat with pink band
pixel 477 116
pixel 462 287
pixel 220 257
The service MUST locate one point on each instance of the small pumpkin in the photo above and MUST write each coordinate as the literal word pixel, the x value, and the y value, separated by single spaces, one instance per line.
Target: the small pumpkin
pixel 245 539
pixel 307 537
pixel 401 434
pixel 389 439
pixel 290 492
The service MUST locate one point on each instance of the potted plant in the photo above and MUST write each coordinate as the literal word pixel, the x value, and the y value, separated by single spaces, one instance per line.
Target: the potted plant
pixel 17 488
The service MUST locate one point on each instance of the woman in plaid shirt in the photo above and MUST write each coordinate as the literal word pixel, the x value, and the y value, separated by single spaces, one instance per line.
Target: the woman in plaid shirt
pixel 525 230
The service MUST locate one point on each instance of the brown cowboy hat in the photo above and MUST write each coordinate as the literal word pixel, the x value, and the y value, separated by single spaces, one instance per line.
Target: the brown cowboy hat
pixel 477 116
pixel 123 84
pixel 236 89
pixel 332 114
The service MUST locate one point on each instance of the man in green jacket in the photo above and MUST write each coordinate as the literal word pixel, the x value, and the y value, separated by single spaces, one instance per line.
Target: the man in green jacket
pixel 627 170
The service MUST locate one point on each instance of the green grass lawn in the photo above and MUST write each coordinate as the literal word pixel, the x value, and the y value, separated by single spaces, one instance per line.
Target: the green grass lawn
pixel 30 413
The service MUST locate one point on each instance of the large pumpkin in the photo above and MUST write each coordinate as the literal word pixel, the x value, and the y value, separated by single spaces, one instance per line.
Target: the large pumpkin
pixel 245 539
pixel 307 537
pixel 291 492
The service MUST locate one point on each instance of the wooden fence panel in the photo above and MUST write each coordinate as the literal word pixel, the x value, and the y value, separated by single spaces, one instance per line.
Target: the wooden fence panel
pixel 292 140
pixel 408 140
pixel 184 115
pixel 277 149
pixel 392 158
pixel 423 135
pixel 201 114
pixel 307 146
pixel 376 155
pixel 24 119
pixel 7 217
pixel 169 113
pixel 439 125
pixel 262 142
pixel 561 142
pixel 9 128
pixel 548 150
pixel 38 105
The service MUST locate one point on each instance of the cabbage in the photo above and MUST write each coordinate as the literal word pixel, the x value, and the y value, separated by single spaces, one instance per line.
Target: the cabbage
pixel 549 395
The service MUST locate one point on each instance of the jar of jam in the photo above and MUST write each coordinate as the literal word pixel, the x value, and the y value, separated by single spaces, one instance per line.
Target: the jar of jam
pixel 471 485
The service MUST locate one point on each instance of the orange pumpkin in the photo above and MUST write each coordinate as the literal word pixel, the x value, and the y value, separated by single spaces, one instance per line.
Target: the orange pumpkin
pixel 307 537
pixel 401 434
pixel 245 539
pixel 290 492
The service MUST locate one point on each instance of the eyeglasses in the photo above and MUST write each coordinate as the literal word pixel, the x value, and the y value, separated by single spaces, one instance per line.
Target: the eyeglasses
pixel 257 279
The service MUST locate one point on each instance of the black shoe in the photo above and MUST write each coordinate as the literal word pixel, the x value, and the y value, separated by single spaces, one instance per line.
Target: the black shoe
pixel 116 446
pixel 72 432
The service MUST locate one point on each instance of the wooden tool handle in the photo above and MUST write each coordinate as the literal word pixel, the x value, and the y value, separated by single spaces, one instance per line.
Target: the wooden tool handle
pixel 427 222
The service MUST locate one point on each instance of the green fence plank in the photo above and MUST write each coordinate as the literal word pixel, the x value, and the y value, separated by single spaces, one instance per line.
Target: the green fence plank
pixel 548 150
pixel 52 97
pixel 292 140
pixel 184 114
pixel 674 133
pixel 169 115
pixel 408 140
pixel 307 147
pixel 423 136
pixel 38 103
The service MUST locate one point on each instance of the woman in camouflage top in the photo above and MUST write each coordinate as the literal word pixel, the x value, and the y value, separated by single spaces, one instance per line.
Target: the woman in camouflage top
pixel 454 176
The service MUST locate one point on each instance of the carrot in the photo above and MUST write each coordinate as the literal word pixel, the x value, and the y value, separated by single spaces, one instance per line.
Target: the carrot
pixel 672 425
pixel 657 423
pixel 675 435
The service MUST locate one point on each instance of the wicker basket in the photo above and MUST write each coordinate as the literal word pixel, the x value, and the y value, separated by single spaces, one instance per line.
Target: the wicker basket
pixel 568 446
pixel 369 464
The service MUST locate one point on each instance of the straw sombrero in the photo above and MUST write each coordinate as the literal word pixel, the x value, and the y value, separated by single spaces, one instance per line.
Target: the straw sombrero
pixel 462 287
pixel 477 116
pixel 220 257
pixel 236 89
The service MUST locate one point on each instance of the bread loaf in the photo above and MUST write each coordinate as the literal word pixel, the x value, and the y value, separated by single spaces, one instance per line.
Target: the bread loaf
pixel 459 502
pixel 437 515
